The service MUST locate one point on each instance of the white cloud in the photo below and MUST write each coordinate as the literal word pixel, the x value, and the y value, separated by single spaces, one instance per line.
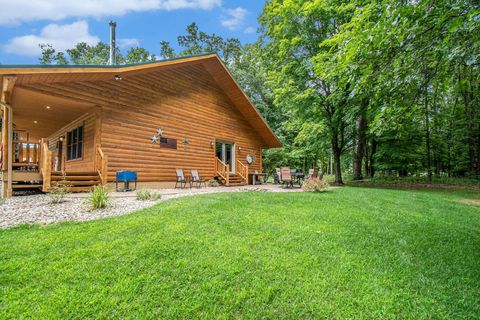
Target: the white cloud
pixel 128 43
pixel 61 37
pixel 234 19
pixel 249 30
pixel 17 11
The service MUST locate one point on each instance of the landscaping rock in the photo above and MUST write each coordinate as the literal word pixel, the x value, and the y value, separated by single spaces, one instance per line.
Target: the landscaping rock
pixel 38 209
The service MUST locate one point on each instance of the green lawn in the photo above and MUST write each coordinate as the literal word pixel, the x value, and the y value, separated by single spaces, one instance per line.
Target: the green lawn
pixel 349 253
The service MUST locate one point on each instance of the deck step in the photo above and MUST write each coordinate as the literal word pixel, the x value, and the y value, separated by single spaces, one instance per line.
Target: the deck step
pixel 85 178
pixel 80 189
pixel 77 182
pixel 74 173
pixel 26 186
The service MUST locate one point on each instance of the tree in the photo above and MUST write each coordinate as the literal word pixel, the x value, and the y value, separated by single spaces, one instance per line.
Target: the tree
pixel 293 32
pixel 50 56
pixel 137 55
pixel 196 42
pixel 405 57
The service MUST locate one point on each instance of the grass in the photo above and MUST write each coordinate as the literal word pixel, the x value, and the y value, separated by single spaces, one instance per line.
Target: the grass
pixel 418 181
pixel 348 253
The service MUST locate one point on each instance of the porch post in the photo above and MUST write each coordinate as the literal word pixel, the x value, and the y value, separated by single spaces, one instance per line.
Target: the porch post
pixel 7 135
pixel 4 151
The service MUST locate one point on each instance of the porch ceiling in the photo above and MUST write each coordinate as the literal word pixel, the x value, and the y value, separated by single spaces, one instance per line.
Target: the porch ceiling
pixel 42 114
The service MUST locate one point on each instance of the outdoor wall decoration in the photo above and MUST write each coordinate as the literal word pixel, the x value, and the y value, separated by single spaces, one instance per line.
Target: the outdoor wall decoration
pixel 168 143
pixel 164 142
pixel 186 143
pixel 157 136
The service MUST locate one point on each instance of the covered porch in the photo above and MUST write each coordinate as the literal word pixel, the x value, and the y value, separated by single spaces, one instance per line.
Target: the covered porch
pixel 47 140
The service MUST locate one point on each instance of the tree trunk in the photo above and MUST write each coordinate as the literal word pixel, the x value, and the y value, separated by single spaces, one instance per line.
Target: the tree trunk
pixel 466 94
pixel 336 160
pixel 361 140
pixel 372 157
pixel 478 151
pixel 427 137
pixel 366 160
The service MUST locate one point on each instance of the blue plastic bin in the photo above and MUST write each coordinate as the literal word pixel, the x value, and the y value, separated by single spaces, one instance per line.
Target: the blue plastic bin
pixel 126 177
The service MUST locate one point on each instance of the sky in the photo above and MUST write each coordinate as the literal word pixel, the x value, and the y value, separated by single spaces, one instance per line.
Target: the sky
pixel 63 23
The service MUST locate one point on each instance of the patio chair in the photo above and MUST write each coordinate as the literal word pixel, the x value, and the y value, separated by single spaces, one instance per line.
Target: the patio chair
pixel 181 179
pixel 312 173
pixel 287 178
pixel 197 179
pixel 277 179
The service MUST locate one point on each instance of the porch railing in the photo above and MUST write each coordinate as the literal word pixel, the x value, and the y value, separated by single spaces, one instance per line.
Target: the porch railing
pixel 45 164
pixel 101 164
pixel 223 170
pixel 242 170
pixel 26 153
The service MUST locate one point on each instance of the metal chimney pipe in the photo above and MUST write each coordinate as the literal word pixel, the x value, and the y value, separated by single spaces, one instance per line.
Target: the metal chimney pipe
pixel 113 58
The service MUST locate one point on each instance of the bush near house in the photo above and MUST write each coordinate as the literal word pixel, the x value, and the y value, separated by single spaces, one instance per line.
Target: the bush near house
pixel 213 183
pixel 99 197
pixel 315 185
pixel 148 195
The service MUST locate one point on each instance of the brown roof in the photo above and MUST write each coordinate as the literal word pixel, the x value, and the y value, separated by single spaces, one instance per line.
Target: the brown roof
pixel 53 73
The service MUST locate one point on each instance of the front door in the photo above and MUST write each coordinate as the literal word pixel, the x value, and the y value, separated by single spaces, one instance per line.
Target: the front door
pixel 226 152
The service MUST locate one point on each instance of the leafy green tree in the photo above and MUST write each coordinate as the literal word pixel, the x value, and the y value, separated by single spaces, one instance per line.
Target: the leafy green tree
pixel 137 55
pixel 293 32
pixel 51 56
pixel 196 42
pixel 166 51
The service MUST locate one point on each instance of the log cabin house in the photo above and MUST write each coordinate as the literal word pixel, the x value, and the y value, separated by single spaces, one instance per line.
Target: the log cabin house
pixel 85 123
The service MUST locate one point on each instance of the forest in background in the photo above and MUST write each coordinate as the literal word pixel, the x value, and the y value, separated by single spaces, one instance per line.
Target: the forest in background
pixel 363 88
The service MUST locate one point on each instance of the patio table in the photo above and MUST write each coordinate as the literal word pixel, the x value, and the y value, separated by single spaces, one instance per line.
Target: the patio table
pixel 255 177
pixel 299 177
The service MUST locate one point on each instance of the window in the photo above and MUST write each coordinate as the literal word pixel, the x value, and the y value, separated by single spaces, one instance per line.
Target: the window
pixel 75 143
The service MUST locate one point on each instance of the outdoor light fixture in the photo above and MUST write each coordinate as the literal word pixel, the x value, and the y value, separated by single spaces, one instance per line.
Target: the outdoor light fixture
pixel 35 121
pixel 212 143
pixel 239 148
pixel 118 77
pixel 48 107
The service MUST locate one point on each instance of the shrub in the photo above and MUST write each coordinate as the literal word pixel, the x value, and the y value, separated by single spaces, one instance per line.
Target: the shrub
pixel 213 183
pixel 315 185
pixel 99 197
pixel 148 195
pixel 58 191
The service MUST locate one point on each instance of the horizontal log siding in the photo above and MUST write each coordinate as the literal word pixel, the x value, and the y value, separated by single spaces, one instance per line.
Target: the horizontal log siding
pixel 185 103
pixel 87 161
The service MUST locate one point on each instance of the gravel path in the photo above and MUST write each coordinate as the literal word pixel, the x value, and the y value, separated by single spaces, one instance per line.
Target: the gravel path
pixel 37 209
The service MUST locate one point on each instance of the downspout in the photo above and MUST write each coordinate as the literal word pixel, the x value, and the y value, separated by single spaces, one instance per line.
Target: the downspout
pixel 8 192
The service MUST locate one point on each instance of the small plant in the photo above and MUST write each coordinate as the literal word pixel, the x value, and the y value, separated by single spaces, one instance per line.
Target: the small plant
pixel 213 183
pixel 315 185
pixel 99 197
pixel 58 191
pixel 2 201
pixel 148 195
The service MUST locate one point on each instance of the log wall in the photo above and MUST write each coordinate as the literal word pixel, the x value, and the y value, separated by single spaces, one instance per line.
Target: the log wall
pixel 185 104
